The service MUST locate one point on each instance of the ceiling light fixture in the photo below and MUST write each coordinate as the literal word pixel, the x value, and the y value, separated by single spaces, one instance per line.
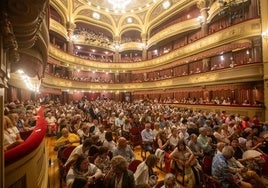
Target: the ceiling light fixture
pixel 119 4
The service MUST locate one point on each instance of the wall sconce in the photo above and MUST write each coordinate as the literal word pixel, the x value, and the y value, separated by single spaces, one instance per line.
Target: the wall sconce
pixel 265 34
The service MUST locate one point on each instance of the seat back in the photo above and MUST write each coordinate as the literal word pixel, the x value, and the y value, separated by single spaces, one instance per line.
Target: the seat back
pixel 66 152
pixel 133 165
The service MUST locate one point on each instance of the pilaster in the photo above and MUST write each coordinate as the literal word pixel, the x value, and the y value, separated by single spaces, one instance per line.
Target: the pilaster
pixel 264 25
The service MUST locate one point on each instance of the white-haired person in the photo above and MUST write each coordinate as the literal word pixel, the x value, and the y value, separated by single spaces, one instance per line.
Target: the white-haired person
pixel 170 181
pixel 222 172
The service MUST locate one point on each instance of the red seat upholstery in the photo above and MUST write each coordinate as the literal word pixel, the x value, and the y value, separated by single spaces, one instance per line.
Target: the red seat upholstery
pixel 135 137
pixel 133 165
pixel 209 180
pixel 63 156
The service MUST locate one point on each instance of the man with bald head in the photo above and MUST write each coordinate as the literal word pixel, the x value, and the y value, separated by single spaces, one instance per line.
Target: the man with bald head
pixel 67 139
pixel 124 150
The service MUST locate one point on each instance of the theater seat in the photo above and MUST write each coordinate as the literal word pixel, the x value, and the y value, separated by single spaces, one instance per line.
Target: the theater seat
pixel 133 165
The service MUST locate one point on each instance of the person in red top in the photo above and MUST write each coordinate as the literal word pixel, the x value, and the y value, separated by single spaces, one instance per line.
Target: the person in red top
pixel 245 123
pixel 256 121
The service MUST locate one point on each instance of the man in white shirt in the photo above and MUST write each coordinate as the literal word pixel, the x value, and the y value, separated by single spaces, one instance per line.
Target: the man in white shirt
pixel 148 138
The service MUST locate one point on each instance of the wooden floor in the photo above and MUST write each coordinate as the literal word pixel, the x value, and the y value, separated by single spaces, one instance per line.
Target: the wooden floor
pixel 54 178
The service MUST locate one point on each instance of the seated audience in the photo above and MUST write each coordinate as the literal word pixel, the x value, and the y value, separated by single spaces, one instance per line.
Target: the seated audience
pixel 223 173
pixel 248 175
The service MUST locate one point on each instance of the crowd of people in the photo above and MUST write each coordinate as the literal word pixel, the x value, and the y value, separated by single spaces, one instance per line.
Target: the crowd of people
pixel 183 140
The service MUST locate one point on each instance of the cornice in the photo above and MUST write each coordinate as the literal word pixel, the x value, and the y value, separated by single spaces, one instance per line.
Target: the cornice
pixel 247 73
pixel 244 30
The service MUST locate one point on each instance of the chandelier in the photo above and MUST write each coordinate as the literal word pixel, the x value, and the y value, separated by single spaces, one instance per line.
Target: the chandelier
pixel 119 4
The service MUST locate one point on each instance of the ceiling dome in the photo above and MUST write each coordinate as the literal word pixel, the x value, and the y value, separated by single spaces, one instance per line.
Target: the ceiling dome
pixel 132 6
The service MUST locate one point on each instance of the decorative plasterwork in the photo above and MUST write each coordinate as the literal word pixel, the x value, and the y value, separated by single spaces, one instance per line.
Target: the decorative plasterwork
pixel 81 10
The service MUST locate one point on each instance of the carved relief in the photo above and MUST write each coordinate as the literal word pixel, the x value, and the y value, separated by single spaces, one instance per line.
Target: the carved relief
pixel 9 39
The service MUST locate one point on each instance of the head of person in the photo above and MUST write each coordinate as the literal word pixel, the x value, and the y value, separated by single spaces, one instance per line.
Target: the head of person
pixel 87 143
pixel 64 132
pixel 122 142
pixel 156 125
pixel 101 128
pixel 95 122
pixel 151 160
pixel 147 125
pixel 119 164
pixel 220 146
pixel 170 180
pixel 109 136
pixel 103 151
pixel 81 164
pixel 7 122
pixel 203 131
pixel 181 145
pixel 161 134
pixel 121 115
pixel 228 152
pixel 193 138
pixel 174 131
pixel 235 143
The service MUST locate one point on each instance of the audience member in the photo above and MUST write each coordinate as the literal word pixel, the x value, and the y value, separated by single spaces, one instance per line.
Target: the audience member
pixel 124 150
pixel 81 168
pixel 223 173
pixel 119 176
pixel 148 138
pixel 144 173
pixel 11 134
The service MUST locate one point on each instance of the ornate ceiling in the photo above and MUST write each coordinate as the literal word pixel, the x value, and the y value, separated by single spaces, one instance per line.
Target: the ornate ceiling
pixel 134 5
pixel 145 14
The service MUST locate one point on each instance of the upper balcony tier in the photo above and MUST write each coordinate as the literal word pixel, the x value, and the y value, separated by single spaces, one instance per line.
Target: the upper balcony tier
pixel 244 32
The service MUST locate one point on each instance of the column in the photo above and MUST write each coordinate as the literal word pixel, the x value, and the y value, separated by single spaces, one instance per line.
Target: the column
pixel 264 25
pixel 202 5
pixel 144 44
pixel 70 29
pixel 116 56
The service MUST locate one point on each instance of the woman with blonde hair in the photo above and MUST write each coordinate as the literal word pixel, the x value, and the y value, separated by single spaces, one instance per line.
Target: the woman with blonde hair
pixel 11 134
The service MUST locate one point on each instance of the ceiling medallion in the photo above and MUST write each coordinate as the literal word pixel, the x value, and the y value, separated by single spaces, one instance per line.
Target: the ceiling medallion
pixel 119 4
